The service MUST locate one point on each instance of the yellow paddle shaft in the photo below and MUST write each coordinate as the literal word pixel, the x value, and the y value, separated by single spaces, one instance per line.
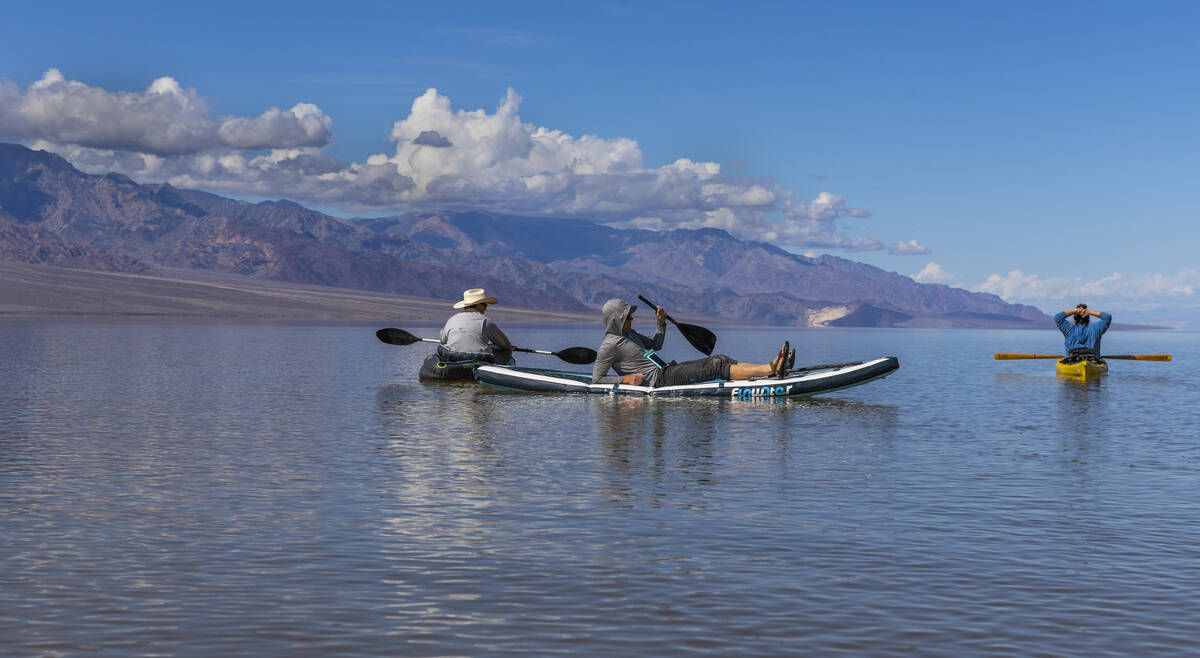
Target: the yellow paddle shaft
pixel 1002 356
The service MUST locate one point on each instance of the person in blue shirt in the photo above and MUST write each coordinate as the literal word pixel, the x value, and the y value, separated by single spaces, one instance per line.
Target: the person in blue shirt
pixel 1082 339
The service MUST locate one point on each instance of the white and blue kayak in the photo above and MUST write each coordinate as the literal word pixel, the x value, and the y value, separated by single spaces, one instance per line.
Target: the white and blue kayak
pixel 801 382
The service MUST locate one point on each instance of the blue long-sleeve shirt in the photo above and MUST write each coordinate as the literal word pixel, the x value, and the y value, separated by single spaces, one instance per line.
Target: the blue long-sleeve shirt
pixel 1087 336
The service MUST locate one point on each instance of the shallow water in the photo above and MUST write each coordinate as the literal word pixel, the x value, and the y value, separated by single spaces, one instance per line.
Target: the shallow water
pixel 202 489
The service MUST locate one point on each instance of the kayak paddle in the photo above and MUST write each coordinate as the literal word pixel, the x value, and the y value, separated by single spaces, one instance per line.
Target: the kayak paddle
pixel 576 355
pixel 702 339
pixel 1128 357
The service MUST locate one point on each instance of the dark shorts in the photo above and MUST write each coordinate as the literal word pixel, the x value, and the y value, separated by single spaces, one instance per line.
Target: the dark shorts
pixel 700 370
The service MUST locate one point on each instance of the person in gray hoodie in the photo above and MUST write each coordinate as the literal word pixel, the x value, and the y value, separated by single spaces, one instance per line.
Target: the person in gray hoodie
pixel 634 356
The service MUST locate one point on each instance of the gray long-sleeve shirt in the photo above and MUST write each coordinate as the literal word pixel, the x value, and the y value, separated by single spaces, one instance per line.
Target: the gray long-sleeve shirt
pixel 625 353
pixel 472 331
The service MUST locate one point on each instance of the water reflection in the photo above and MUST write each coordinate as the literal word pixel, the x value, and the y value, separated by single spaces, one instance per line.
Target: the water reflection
pixel 652 446
pixel 451 409
pixel 1079 399
pixel 228 475
pixel 625 418
pixel 444 449
pixel 632 431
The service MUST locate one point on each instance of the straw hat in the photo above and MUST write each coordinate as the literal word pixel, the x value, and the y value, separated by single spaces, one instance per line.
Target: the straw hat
pixel 474 296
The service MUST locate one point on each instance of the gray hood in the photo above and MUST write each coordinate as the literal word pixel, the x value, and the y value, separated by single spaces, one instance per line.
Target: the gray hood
pixel 615 312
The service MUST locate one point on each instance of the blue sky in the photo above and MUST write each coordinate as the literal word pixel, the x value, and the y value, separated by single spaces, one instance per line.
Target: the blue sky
pixel 1041 151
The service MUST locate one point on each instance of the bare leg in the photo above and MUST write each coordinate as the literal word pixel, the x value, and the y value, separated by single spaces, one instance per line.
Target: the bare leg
pixel 747 370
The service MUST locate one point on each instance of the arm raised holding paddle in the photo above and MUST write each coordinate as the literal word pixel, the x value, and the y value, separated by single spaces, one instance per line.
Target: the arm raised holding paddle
pixel 660 316
pixel 702 339
pixel 655 343
pixel 635 359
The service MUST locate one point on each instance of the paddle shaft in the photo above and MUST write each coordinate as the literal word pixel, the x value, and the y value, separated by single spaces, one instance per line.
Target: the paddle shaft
pixel 576 355
pixel 1127 357
pixel 702 339
pixel 529 351
pixel 655 306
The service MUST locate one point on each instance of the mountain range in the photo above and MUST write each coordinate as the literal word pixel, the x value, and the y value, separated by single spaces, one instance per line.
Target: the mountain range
pixel 52 213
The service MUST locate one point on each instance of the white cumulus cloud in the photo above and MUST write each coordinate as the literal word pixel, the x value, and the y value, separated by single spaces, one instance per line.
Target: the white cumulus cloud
pixel 815 224
pixel 443 157
pixel 933 273
pixel 164 120
pixel 1016 285
pixel 1132 292
pixel 909 248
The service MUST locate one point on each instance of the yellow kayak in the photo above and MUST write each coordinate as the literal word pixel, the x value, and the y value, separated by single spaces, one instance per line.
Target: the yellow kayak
pixel 1081 369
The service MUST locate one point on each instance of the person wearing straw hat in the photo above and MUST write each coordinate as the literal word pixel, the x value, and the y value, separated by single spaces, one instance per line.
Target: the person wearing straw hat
pixel 470 335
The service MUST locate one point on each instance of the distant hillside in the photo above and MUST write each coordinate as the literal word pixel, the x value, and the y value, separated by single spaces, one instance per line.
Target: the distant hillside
pixel 154 226
pixel 51 213
pixel 742 279
pixel 35 245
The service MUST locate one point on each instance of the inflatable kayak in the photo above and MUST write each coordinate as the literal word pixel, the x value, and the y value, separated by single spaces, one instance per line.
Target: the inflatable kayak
pixel 1086 369
pixel 434 369
pixel 803 382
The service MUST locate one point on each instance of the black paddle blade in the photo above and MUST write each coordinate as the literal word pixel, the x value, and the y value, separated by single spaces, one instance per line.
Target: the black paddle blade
pixel 577 355
pixel 700 338
pixel 393 336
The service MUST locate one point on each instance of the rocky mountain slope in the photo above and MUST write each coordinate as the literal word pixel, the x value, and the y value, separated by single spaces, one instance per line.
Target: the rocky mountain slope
pixel 743 279
pixel 52 213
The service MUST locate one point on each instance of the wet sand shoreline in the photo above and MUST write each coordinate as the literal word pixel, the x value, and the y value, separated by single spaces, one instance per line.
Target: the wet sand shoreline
pixel 42 291
pixel 33 291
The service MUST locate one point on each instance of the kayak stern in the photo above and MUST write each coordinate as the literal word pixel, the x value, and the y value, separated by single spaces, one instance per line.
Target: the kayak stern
pixel 1086 369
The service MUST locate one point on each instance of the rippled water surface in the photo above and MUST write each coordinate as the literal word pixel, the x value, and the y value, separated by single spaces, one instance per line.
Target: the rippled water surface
pixel 201 490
